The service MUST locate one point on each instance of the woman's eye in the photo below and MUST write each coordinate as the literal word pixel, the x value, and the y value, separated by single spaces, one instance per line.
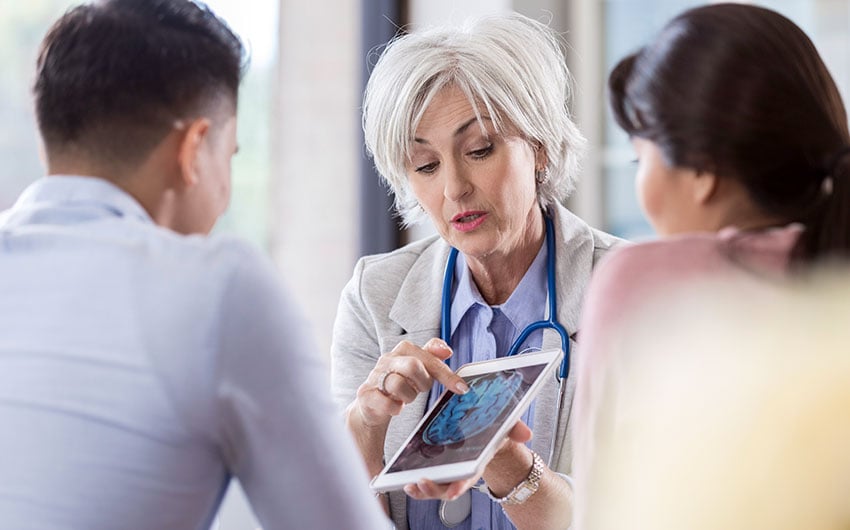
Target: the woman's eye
pixel 427 168
pixel 482 153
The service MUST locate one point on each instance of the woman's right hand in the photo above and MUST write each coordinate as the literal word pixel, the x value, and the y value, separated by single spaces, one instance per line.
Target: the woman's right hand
pixel 397 378
pixel 400 376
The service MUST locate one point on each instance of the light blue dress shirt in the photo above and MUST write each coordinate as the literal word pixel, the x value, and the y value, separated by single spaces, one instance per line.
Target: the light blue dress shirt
pixel 481 332
pixel 140 370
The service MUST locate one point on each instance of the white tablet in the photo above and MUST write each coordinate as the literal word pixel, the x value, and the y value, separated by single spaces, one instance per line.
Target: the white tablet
pixel 459 435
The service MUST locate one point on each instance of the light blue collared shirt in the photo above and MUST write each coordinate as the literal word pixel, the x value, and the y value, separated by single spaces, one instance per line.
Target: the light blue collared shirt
pixel 141 369
pixel 481 332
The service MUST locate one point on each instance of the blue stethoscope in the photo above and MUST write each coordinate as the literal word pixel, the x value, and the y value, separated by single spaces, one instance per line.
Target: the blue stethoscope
pixel 452 513
pixel 550 323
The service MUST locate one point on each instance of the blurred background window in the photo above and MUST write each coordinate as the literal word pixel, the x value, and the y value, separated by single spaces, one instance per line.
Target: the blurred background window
pixel 248 215
pixel 22 26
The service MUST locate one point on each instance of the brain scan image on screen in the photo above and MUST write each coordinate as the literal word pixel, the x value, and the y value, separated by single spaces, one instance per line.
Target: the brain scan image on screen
pixel 464 416
pixel 459 427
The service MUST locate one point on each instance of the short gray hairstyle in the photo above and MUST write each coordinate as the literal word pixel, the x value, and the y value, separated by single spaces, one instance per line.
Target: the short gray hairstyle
pixel 511 65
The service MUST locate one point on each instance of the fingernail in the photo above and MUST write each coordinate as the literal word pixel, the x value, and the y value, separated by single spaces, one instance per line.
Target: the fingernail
pixel 439 343
pixel 461 387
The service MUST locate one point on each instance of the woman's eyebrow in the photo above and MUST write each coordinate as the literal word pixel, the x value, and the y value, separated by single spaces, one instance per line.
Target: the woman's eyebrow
pixel 460 130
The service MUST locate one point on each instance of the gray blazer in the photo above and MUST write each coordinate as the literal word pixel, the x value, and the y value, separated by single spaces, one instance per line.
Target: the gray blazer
pixel 396 296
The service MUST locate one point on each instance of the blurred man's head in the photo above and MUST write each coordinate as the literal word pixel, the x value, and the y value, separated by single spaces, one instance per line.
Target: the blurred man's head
pixel 129 87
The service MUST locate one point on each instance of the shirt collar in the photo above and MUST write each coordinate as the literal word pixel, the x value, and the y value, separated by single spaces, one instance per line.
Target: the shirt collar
pixel 66 190
pixel 525 305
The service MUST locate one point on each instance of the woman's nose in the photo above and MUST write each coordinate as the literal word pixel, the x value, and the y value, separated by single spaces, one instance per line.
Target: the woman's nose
pixel 457 183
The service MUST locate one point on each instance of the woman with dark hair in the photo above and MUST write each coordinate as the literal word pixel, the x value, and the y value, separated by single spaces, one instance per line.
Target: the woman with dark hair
pixel 738 96
pixel 743 157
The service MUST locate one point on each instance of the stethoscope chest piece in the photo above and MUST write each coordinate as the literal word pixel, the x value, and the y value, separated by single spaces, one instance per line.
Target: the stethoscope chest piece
pixel 452 513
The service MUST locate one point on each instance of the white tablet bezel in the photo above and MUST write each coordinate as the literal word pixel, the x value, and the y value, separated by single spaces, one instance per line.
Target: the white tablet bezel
pixel 386 481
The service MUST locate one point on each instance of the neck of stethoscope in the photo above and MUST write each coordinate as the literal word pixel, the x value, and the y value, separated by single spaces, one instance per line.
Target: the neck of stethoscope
pixel 550 322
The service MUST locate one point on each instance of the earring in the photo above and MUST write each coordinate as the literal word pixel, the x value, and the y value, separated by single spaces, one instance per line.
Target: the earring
pixel 542 175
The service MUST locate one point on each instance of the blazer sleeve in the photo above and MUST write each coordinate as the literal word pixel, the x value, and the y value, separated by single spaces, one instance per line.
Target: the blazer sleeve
pixel 355 347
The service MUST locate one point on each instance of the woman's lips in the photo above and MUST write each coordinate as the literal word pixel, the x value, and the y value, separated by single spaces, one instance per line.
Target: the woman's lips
pixel 468 221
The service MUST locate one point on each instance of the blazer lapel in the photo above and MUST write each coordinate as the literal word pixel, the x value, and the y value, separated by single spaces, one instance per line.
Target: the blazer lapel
pixel 417 306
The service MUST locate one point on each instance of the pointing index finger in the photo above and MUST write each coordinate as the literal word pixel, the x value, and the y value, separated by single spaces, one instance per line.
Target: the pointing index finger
pixel 438 370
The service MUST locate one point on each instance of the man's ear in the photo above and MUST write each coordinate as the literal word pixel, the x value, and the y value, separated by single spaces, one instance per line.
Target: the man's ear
pixel 195 132
pixel 704 186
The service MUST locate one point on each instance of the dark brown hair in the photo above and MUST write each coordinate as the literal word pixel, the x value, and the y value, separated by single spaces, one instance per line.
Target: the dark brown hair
pixel 740 91
pixel 114 76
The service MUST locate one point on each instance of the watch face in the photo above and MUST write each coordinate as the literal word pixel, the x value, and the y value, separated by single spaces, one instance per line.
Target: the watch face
pixel 523 493
pixel 467 415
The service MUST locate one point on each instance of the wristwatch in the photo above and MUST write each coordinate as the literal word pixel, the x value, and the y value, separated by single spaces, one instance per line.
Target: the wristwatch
pixel 524 489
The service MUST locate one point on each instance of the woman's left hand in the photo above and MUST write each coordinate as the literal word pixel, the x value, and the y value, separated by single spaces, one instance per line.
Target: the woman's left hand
pixel 549 508
pixel 428 489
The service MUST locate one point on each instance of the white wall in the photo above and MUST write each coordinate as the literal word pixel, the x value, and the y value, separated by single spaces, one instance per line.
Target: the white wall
pixel 315 146
pixel 430 12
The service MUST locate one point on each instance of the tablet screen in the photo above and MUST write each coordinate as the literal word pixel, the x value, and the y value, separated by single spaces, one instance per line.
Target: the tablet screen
pixel 460 426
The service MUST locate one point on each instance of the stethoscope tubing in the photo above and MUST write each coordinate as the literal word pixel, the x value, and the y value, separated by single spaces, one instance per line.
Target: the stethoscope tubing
pixel 550 323
pixel 451 517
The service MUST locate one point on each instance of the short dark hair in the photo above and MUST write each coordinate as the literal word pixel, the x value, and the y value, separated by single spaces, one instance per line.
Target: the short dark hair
pixel 115 75
pixel 741 91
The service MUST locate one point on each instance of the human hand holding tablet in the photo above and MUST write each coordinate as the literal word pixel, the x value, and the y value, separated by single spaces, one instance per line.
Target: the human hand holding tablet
pixel 460 434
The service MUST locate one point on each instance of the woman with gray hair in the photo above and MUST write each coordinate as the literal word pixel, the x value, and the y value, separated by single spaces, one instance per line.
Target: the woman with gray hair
pixel 470 128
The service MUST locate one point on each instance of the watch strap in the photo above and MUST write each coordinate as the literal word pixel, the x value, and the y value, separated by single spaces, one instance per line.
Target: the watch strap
pixel 524 489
